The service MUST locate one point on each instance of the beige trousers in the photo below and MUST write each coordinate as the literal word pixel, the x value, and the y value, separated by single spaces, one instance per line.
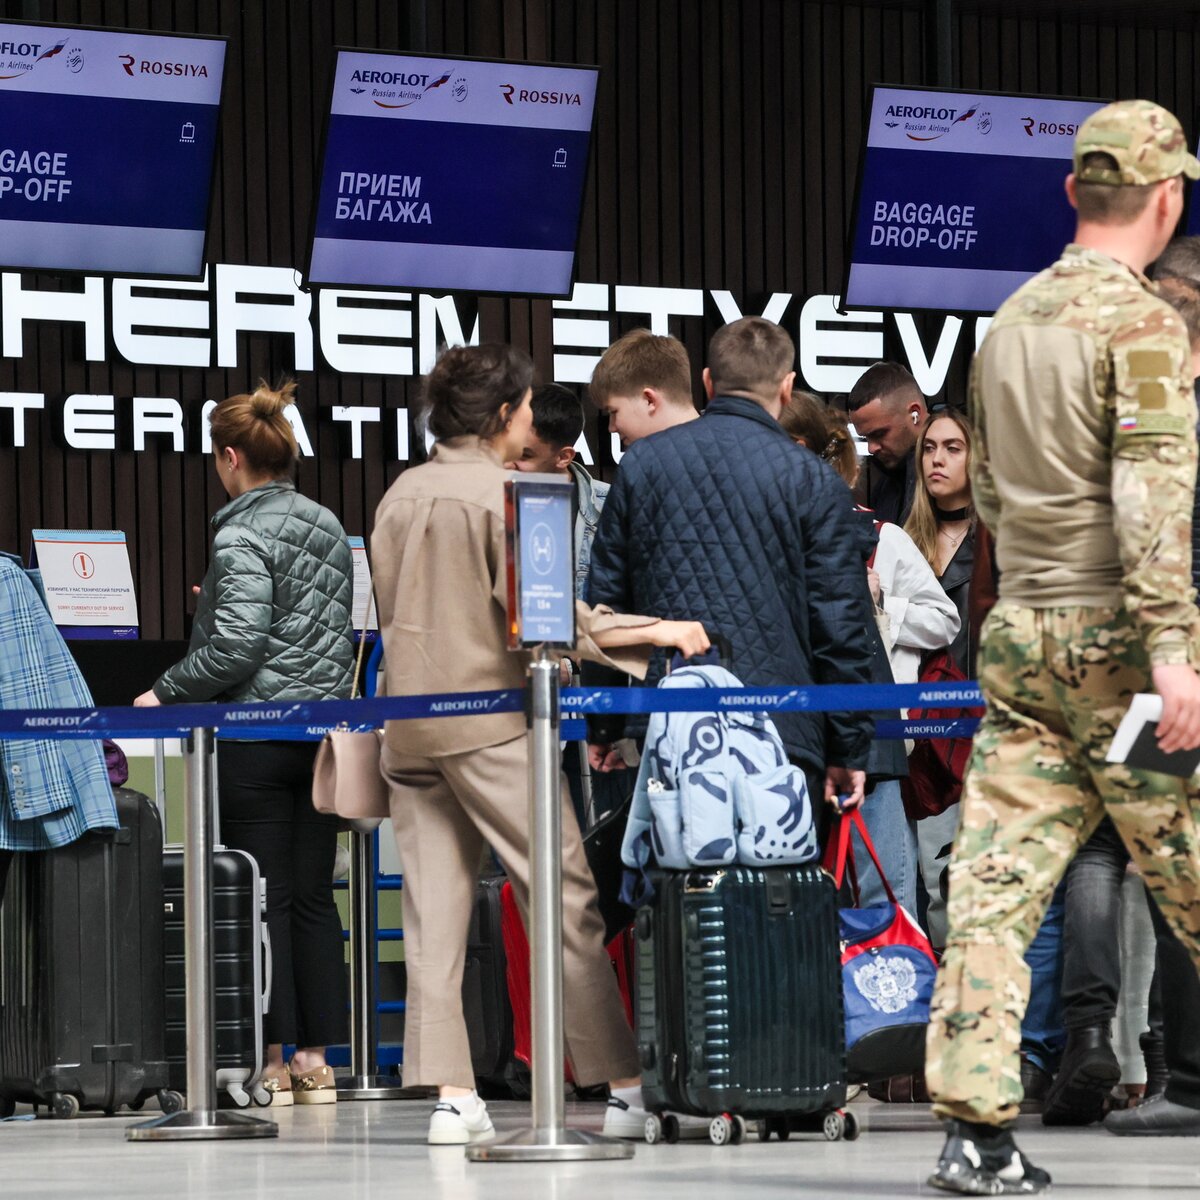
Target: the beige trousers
pixel 444 811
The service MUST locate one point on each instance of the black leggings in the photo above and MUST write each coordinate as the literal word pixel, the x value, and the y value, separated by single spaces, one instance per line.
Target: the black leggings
pixel 266 810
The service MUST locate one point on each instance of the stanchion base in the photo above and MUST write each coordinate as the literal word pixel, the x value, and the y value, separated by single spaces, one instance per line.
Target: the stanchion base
pixel 549 1145
pixel 200 1125
pixel 377 1087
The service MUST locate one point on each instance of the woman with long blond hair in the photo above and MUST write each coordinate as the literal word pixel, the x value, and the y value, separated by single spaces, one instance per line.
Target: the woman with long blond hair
pixel 942 521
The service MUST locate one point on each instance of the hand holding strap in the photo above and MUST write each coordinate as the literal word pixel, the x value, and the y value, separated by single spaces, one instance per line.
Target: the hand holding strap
pixel 839 853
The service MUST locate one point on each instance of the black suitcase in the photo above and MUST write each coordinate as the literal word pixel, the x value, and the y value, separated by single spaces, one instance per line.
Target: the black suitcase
pixel 81 969
pixel 486 1005
pixel 739 1002
pixel 241 973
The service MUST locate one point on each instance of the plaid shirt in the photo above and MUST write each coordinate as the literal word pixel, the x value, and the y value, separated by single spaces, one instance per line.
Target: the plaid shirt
pixel 51 791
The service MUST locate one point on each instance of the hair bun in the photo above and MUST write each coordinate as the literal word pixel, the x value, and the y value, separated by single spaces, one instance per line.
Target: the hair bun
pixel 267 402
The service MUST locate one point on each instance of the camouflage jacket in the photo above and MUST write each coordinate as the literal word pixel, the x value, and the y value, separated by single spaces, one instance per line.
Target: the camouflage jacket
pixel 1085 468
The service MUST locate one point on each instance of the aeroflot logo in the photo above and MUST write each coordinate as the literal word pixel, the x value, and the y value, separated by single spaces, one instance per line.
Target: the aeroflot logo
pixel 525 96
pixel 33 50
pixel 399 80
pixel 154 66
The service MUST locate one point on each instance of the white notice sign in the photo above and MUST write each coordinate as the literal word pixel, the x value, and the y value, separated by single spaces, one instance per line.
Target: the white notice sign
pixel 362 586
pixel 88 582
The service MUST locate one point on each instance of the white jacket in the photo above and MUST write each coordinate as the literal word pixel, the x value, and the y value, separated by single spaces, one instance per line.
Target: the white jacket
pixel 920 615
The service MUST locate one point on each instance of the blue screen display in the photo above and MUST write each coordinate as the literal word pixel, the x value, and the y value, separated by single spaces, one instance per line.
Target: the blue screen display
pixel 961 198
pixel 546 563
pixel 454 175
pixel 106 149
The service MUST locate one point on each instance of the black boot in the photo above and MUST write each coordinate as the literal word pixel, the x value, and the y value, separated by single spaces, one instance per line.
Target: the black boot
pixel 1088 1073
pixel 983 1160
pixel 1155 1057
pixel 1035 1082
pixel 1156 1117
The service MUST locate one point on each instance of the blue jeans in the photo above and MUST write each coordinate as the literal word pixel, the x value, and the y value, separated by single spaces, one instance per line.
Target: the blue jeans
pixel 895 843
pixel 1042 1033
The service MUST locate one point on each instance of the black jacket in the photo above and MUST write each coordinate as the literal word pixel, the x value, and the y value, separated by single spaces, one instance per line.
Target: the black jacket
pixel 889 494
pixel 956 583
pixel 725 520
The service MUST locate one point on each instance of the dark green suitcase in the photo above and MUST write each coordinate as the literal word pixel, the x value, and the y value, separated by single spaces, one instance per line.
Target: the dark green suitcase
pixel 739 1001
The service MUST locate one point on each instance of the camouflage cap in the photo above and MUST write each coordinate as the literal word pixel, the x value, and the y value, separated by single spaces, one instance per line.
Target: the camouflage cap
pixel 1147 142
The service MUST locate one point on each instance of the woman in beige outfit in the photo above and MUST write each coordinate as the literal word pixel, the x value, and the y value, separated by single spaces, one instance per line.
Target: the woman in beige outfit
pixel 461 783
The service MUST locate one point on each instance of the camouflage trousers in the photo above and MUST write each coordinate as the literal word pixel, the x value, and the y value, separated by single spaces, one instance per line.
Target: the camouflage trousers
pixel 1057 682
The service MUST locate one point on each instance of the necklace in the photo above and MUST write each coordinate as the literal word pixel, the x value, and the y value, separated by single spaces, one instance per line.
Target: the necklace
pixel 954 541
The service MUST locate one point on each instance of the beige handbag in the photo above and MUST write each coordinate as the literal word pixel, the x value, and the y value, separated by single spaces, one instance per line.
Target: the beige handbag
pixel 346 778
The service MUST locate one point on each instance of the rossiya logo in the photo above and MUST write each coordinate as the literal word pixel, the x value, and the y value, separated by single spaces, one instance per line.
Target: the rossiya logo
pixel 1035 128
pixel 15 52
pixel 405 84
pixel 527 96
pixel 153 66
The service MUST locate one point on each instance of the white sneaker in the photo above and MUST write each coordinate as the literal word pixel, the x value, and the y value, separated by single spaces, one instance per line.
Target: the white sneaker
pixel 448 1126
pixel 628 1121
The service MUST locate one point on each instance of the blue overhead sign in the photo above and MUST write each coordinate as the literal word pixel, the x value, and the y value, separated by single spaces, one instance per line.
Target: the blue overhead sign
pixel 107 142
pixel 960 197
pixel 452 174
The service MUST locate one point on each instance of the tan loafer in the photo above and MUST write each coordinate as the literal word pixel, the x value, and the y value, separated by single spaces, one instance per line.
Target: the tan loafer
pixel 317 1086
pixel 280 1087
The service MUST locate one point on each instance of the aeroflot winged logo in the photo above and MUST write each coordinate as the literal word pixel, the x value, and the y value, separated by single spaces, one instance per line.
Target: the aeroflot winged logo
pixel 928 123
pixel 14 52
pixel 397 85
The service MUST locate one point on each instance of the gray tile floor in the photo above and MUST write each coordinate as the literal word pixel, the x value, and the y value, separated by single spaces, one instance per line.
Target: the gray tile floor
pixel 376 1149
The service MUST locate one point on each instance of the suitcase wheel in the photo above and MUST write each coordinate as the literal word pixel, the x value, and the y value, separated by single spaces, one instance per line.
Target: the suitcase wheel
pixel 670 1126
pixel 261 1097
pixel 64 1106
pixel 833 1126
pixel 653 1129
pixel 851 1130
pixel 720 1130
pixel 8 1106
pixel 169 1101
pixel 137 1103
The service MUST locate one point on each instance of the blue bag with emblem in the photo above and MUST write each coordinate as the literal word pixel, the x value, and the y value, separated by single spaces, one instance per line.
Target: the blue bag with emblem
pixel 888 971
pixel 713 789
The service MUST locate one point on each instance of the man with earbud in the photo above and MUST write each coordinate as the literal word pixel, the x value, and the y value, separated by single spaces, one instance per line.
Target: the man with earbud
pixel 887 409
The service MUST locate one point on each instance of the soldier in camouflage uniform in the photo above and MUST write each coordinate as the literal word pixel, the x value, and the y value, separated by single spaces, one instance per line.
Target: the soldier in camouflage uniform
pixel 1085 470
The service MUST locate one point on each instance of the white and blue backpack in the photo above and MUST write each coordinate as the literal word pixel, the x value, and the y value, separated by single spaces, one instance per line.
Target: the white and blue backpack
pixel 713 789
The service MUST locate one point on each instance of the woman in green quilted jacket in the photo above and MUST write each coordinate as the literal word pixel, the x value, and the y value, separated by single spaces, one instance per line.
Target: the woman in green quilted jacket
pixel 273 623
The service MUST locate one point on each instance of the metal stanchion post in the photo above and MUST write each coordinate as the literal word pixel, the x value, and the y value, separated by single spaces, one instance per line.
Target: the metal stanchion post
pixel 201 1119
pixel 364 1082
pixel 548 1140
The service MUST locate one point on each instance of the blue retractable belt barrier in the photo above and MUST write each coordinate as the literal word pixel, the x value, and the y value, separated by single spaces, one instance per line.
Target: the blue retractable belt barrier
pixel 311 720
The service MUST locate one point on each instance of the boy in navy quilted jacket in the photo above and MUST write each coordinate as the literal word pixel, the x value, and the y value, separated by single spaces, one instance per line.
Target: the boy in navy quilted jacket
pixel 726 521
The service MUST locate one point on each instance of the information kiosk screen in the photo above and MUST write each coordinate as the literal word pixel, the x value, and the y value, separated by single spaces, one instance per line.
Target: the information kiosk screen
pixel 539 531
pixel 107 142
pixel 452 174
pixel 960 197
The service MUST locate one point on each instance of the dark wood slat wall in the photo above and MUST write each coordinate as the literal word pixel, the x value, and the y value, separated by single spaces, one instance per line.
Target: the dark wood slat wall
pixel 725 153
